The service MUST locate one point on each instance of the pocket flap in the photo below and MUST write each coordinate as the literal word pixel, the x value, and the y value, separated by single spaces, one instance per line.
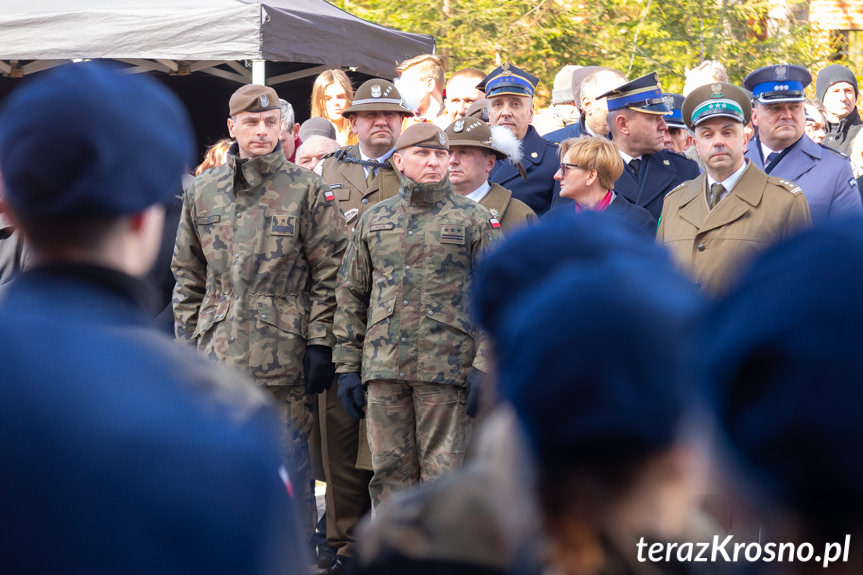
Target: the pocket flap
pixel 381 312
pixel 448 315
pixel 281 314
pixel 212 313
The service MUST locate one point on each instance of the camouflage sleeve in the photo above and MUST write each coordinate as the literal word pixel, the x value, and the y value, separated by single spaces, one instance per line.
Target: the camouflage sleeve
pixel 323 244
pixel 352 297
pixel 190 270
pixel 485 240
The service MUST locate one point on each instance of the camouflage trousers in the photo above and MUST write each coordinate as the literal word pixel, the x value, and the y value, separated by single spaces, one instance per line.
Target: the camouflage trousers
pixel 297 419
pixel 417 433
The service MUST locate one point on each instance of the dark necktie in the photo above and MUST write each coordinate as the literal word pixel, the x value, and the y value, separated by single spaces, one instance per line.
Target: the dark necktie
pixel 771 157
pixel 370 177
pixel 716 191
pixel 635 164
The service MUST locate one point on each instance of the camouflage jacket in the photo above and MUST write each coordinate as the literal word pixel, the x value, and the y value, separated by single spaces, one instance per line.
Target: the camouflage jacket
pixel 404 287
pixel 256 260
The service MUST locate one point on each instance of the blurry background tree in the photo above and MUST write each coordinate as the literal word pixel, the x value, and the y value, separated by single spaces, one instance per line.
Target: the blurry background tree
pixel 634 36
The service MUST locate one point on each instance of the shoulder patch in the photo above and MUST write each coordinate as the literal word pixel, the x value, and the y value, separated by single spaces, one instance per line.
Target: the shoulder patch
pixel 329 196
pixel 494 222
pixel 788 185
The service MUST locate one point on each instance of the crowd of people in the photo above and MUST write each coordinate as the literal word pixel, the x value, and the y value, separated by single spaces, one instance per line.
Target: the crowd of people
pixel 598 339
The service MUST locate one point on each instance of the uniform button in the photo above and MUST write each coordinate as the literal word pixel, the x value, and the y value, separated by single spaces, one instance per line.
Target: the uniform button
pixel 701 247
pixel 402 374
pixel 389 309
pixel 404 339
pixel 407 268
pixel 264 316
pixel 365 201
pixel 431 312
pixel 410 233
pixel 232 339
pixel 405 302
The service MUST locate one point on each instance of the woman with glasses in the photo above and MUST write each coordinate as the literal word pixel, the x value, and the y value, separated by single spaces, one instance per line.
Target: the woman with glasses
pixel 588 169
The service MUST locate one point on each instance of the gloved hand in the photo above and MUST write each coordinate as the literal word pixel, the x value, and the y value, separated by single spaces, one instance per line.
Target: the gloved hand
pixel 351 394
pixel 319 368
pixel 474 381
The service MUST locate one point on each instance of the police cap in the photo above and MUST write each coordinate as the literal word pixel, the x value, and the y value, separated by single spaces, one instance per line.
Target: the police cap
pixel 508 79
pixel 472 132
pixel 675 118
pixel 425 135
pixel 717 100
pixel 253 98
pixel 642 94
pixel 90 141
pixel 377 95
pixel 779 83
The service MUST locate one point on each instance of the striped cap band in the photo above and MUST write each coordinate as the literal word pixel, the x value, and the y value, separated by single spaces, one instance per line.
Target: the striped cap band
pixel 377 101
pixel 720 107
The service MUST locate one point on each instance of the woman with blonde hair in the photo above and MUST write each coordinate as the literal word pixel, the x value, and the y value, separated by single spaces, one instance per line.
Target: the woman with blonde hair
pixel 332 94
pixel 214 156
pixel 589 168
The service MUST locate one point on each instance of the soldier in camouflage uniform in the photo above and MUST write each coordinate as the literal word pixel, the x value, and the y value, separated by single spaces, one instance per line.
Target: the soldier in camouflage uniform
pixel 402 326
pixel 360 176
pixel 256 261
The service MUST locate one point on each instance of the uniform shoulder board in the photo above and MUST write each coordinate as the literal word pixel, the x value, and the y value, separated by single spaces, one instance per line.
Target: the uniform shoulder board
pixel 790 186
pixel 677 187
pixel 837 152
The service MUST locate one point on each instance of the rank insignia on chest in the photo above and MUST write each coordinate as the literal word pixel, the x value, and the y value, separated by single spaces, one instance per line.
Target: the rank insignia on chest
pixel 495 223
pixel 282 225
pixel 451 234
pixel 329 196
pixel 381 227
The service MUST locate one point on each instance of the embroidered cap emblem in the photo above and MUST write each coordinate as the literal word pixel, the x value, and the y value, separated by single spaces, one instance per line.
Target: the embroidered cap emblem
pixel 265 101
pixel 458 126
pixel 442 138
pixel 781 72
pixel 376 91
pixel 717 91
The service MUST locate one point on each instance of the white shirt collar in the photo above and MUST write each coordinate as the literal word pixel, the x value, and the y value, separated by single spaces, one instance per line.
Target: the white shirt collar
pixel 729 182
pixel 382 159
pixel 482 191
pixel 626 157
pixel 765 151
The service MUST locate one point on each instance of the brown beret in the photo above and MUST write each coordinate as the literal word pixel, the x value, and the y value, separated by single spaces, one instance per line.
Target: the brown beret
pixel 425 135
pixel 253 98
pixel 479 109
pixel 472 132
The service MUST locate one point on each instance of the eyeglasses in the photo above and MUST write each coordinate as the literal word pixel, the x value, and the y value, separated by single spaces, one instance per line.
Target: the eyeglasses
pixel 565 166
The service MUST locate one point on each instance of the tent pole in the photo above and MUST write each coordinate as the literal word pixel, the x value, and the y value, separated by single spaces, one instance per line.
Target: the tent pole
pixel 259 75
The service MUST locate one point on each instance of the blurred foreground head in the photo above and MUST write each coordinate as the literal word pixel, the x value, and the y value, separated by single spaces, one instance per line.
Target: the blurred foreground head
pixel 590 326
pixel 782 354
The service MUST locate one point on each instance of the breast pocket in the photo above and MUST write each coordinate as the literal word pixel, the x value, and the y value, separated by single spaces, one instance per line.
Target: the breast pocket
pixel 215 229
pixel 280 238
pixel 449 253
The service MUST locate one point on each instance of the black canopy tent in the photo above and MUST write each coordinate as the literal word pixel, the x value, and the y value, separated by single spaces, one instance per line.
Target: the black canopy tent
pixel 204 49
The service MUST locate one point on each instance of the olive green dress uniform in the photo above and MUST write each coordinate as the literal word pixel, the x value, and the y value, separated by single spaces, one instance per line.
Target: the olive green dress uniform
pixel 347 180
pixel 715 246
pixel 346 455
pixel 511 213
pixel 256 261
pixel 402 322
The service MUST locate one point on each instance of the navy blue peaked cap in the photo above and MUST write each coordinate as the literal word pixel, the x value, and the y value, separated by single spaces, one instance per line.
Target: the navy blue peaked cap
pixel 87 140
pixel 595 363
pixel 782 354
pixel 778 83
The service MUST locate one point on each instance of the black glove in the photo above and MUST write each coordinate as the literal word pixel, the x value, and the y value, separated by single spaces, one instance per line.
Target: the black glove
pixel 351 394
pixel 474 381
pixel 319 368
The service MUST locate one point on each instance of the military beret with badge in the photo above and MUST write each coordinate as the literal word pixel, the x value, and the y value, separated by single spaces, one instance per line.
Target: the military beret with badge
pixel 253 98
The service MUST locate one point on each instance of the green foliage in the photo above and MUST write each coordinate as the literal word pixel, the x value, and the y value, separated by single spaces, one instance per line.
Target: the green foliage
pixel 634 36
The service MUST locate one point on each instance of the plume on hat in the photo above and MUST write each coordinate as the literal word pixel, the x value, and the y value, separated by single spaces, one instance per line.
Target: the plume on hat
pixel 504 140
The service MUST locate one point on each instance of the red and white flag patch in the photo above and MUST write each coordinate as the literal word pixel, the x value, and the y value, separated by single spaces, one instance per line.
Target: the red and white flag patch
pixel 329 196
pixel 495 223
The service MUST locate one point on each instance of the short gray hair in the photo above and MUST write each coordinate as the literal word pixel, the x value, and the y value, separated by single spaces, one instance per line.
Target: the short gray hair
pixel 288 119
